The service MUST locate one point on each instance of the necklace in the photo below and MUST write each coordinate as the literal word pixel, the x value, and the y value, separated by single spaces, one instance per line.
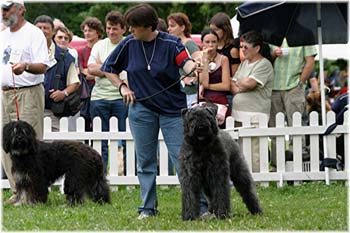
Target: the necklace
pixel 212 63
pixel 144 53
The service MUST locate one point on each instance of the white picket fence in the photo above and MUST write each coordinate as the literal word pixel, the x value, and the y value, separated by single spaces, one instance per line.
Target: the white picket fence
pixel 295 170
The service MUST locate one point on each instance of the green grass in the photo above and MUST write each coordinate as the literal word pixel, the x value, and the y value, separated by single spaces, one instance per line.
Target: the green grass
pixel 311 206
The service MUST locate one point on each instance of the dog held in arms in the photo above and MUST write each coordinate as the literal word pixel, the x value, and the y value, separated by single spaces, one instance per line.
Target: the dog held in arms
pixel 36 165
pixel 209 158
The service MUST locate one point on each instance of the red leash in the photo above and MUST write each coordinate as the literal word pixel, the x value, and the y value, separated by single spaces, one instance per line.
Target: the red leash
pixel 14 92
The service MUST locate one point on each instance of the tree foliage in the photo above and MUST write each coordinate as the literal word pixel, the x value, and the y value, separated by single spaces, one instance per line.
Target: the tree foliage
pixel 72 14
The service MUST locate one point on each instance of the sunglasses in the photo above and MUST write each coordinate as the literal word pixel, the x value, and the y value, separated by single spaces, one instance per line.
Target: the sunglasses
pixel 62 37
pixel 244 47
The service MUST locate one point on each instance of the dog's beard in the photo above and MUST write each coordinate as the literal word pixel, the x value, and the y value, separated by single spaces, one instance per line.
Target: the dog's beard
pixel 201 133
pixel 19 152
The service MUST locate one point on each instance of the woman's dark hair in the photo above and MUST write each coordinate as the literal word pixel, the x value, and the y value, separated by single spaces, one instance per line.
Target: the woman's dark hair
pixel 182 20
pixel 161 26
pixel 256 39
pixel 222 21
pixel 44 19
pixel 142 15
pixel 208 31
pixel 93 23
pixel 115 18
pixel 252 37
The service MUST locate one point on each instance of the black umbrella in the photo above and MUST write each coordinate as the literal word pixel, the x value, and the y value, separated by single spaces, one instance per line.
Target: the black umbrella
pixel 300 23
pixel 297 22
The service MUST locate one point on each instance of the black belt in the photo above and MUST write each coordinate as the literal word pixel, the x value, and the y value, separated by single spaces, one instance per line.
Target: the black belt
pixel 8 88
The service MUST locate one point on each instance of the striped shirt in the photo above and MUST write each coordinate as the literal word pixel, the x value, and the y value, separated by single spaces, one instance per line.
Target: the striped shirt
pixel 288 68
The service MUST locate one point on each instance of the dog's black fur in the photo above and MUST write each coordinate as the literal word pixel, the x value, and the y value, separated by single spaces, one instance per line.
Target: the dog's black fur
pixel 209 158
pixel 36 165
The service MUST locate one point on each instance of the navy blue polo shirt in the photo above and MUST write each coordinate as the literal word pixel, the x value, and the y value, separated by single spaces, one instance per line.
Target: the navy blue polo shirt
pixel 169 55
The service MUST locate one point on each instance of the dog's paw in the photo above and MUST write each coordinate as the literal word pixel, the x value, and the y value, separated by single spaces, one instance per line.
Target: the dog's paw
pixel 257 210
pixel 189 217
pixel 221 214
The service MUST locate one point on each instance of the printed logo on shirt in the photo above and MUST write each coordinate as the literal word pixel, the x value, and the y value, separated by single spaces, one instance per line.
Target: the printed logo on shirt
pixel 6 56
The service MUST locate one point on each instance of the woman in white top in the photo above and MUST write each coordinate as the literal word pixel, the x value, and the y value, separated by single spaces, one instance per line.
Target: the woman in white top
pixel 252 87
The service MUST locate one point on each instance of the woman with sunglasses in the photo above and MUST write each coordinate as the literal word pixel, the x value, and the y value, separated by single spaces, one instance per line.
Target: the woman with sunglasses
pixel 252 87
pixel 63 36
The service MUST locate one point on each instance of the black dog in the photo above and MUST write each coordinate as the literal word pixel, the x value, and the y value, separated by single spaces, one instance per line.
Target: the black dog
pixel 36 165
pixel 209 157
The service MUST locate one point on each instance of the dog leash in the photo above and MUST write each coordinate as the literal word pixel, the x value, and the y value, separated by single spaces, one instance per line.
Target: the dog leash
pixel 15 95
pixel 168 87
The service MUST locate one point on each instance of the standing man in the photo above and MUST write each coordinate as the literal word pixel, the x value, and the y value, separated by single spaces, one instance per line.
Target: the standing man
pixel 92 28
pixel 24 62
pixel 106 101
pixel 69 81
pixel 293 67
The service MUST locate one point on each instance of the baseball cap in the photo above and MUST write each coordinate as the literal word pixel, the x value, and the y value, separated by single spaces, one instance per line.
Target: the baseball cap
pixel 9 3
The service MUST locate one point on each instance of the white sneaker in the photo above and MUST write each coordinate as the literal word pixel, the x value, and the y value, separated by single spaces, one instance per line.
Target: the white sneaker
pixel 12 200
pixel 143 215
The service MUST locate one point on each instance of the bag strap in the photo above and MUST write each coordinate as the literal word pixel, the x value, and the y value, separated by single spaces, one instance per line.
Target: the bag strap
pixel 59 68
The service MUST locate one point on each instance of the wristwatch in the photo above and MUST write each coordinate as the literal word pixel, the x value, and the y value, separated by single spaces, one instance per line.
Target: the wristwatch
pixel 301 83
pixel 66 93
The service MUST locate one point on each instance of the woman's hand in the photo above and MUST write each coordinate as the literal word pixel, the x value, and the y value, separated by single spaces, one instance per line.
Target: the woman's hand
pixel 234 88
pixel 277 52
pixel 127 94
pixel 201 92
pixel 190 81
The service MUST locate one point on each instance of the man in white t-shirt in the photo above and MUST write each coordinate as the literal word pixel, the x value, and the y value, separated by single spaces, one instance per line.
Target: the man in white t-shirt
pixel 24 62
pixel 105 98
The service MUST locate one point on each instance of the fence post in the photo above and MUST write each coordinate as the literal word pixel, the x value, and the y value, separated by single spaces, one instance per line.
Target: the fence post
pixel 113 150
pixel 297 146
pixel 264 149
pixel 314 144
pixel 63 128
pixel 247 144
pixel 280 148
pixel 64 124
pixel 330 145
pixel 97 127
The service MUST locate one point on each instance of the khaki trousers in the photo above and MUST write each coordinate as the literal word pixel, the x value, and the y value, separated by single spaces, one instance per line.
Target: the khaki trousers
pixel 255 148
pixel 287 102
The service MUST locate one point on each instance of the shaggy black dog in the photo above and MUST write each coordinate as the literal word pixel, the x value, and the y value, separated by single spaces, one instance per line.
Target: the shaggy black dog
pixel 36 165
pixel 209 157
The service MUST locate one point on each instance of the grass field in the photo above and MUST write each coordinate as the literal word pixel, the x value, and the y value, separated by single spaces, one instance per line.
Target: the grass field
pixel 311 206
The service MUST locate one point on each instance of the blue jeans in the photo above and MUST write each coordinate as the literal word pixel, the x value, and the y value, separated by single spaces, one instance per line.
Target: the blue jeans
pixel 105 109
pixel 144 126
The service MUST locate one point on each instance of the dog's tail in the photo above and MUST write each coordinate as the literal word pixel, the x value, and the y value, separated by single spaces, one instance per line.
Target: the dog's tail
pixel 102 192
